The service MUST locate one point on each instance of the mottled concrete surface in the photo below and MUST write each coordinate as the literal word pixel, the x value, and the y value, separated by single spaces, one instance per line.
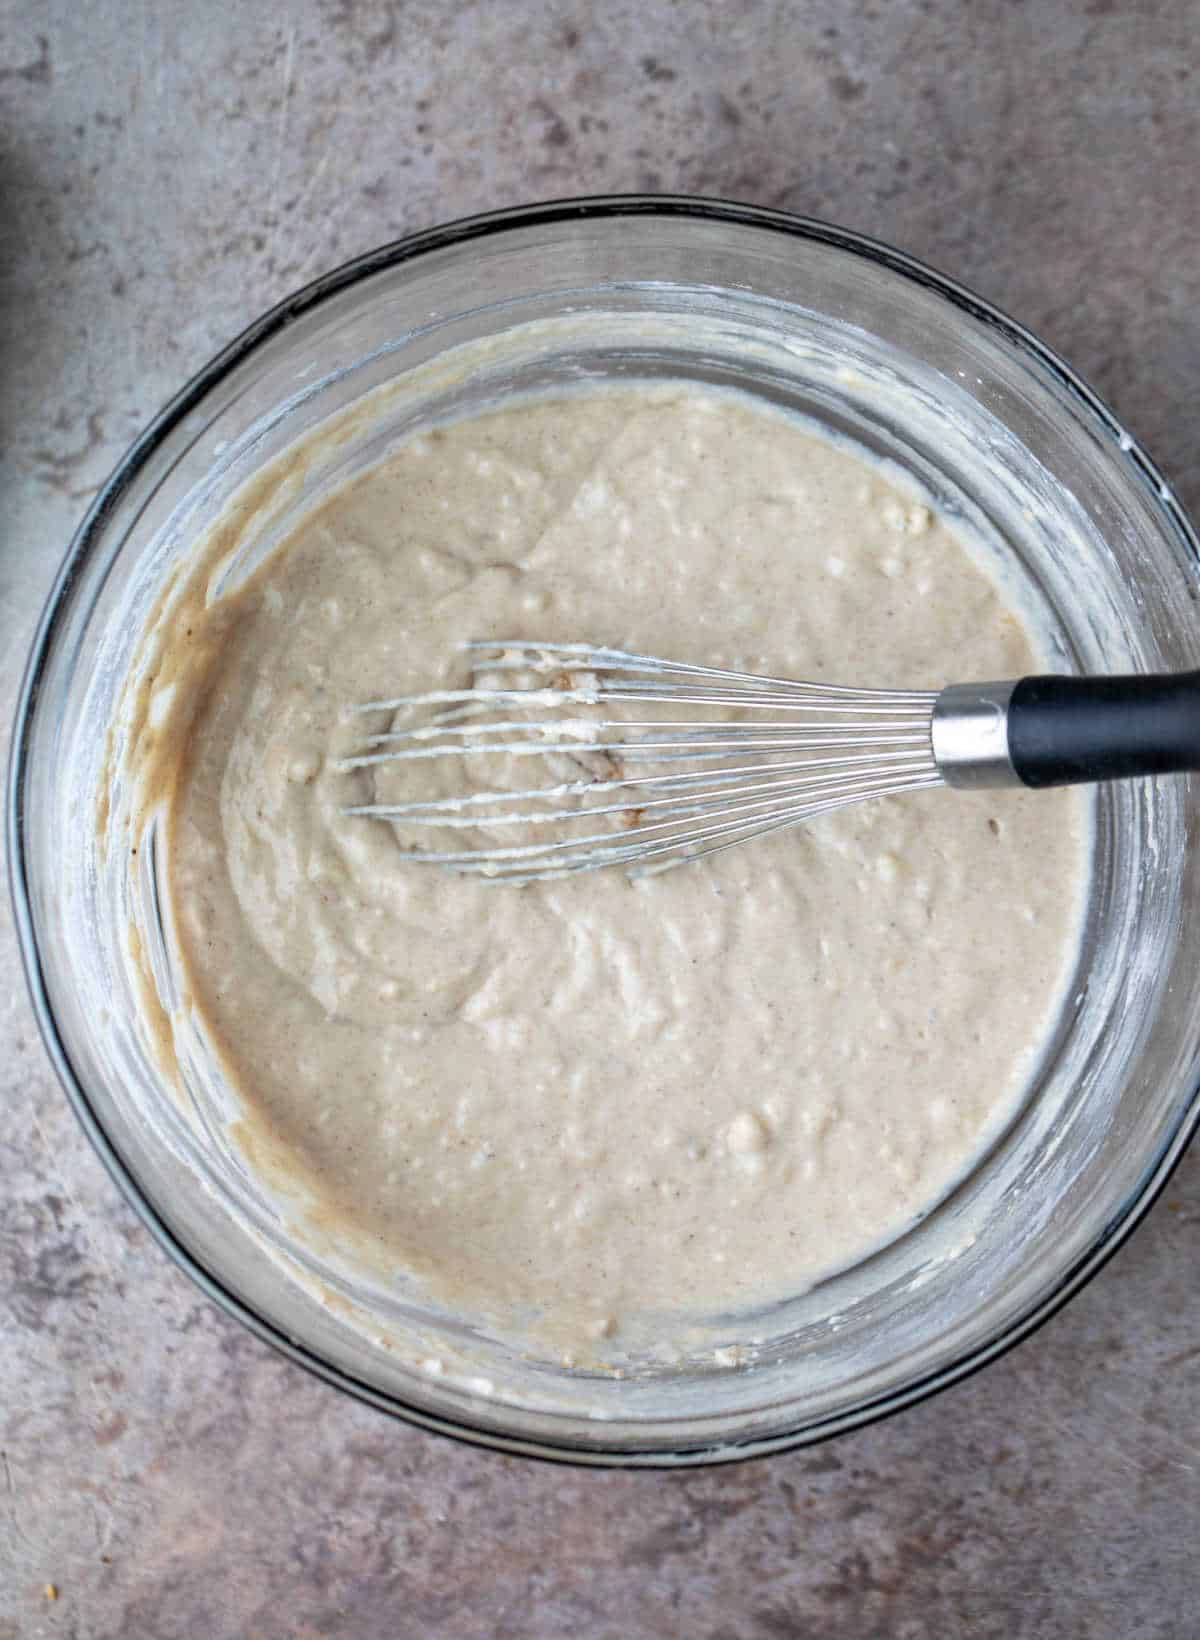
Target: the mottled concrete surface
pixel 166 172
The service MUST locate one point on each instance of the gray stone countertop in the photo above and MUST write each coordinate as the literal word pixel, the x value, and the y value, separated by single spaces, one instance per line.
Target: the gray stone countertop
pixel 168 171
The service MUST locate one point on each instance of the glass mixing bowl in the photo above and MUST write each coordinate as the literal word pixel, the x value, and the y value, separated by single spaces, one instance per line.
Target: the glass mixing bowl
pixel 866 341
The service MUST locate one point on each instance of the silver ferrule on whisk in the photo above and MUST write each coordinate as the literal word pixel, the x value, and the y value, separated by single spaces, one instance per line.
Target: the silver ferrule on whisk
pixel 970 735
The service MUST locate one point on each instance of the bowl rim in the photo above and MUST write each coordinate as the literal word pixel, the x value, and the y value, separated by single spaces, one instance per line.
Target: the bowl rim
pixel 386 257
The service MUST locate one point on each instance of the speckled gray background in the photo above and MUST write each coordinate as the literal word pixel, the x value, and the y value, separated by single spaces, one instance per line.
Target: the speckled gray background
pixel 166 172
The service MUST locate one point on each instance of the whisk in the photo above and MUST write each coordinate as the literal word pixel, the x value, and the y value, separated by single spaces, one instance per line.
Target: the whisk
pixel 712 758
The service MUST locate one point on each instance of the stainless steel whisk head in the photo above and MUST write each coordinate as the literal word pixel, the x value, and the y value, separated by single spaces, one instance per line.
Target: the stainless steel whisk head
pixel 696 760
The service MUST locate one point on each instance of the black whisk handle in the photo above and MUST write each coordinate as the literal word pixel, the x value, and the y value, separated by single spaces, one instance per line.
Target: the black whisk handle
pixel 1063 731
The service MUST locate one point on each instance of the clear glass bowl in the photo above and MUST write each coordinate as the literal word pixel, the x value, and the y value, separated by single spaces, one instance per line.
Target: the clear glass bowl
pixel 867 341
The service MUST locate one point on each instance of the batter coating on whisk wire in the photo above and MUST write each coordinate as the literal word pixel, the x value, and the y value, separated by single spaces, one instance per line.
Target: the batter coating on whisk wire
pixel 594 1109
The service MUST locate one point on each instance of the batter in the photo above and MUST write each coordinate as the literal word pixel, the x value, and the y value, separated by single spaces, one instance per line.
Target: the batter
pixel 570 1107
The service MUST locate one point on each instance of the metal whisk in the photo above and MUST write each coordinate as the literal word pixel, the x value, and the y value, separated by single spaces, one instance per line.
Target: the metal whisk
pixel 712 758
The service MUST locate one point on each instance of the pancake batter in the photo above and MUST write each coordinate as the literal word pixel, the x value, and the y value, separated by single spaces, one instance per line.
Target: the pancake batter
pixel 581 1104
